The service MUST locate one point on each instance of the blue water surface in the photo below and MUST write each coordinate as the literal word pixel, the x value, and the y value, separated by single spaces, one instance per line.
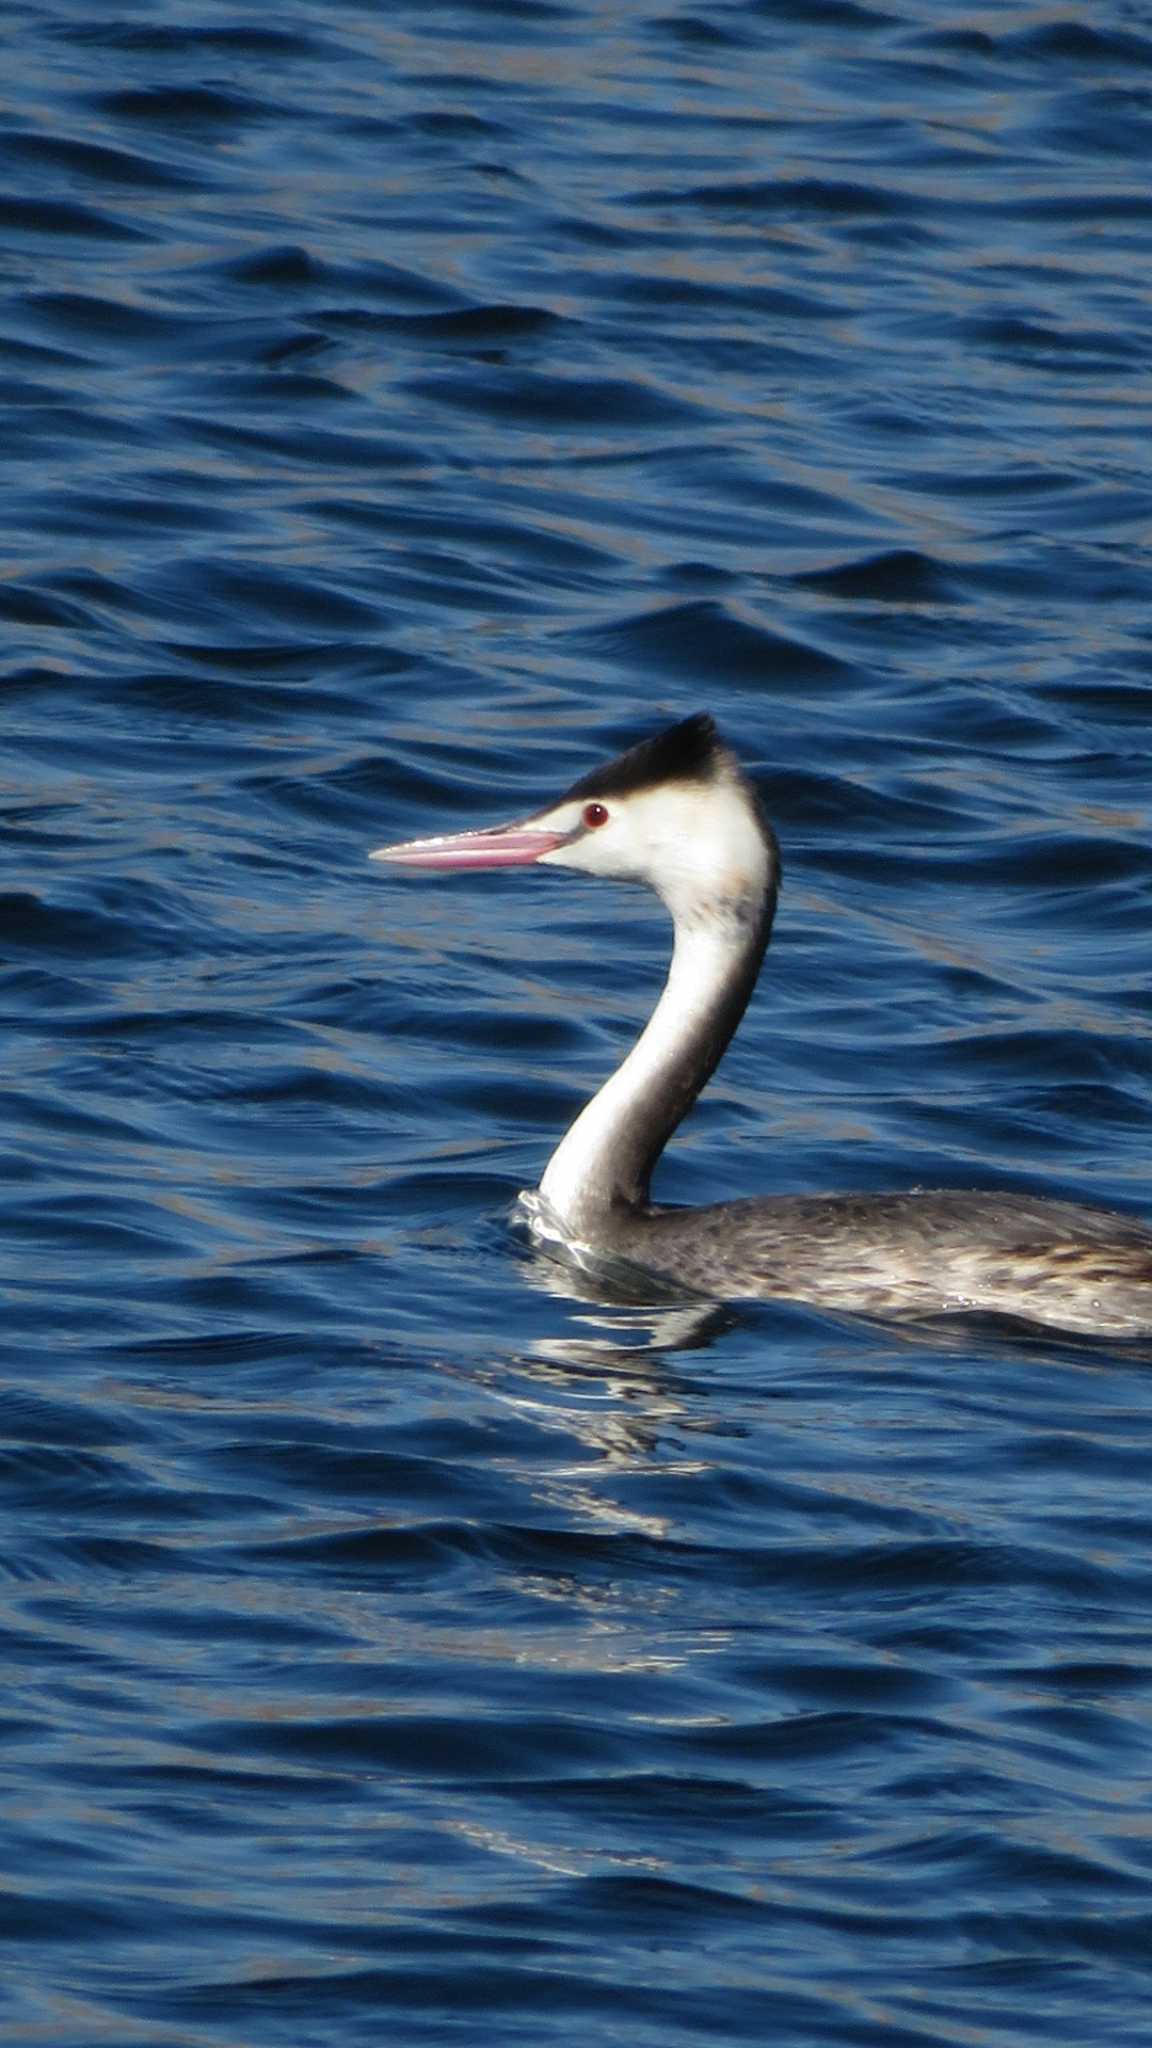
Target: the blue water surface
pixel 404 407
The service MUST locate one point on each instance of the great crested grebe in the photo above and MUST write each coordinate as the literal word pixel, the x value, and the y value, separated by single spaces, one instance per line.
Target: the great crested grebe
pixel 678 813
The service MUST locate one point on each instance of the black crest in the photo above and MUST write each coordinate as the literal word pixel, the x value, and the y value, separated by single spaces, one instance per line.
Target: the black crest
pixel 688 752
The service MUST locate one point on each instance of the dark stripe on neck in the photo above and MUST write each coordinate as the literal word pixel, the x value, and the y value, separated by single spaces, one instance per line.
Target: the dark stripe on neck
pixel 665 1098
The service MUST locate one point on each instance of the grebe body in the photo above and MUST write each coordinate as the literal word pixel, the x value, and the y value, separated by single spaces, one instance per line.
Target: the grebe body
pixel 678 814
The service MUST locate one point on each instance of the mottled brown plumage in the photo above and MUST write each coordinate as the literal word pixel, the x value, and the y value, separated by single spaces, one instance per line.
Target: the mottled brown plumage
pixel 911 1255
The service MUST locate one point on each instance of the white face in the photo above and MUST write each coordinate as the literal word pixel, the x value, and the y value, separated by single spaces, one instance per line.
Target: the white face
pixel 689 841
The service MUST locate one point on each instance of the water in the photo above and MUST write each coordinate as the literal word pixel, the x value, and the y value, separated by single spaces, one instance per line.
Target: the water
pixel 405 407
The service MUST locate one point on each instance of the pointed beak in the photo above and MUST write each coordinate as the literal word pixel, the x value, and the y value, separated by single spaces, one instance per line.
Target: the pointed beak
pixel 496 846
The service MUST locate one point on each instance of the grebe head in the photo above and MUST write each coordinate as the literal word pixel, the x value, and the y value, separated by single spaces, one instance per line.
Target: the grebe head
pixel 675 812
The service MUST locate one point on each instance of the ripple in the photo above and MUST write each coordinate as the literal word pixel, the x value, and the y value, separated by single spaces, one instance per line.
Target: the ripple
pixel 703 638
pixel 536 400
pixel 897 576
pixel 785 198
pixel 188 108
pixel 89 160
pixel 67 217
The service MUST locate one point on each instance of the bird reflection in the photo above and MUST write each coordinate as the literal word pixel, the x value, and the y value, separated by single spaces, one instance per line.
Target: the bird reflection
pixel 637 1316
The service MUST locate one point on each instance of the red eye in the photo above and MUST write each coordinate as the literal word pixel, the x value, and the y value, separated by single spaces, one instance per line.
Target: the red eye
pixel 595 814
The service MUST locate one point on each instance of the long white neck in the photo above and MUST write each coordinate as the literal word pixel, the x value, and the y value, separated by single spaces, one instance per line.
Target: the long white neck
pixel 605 1161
